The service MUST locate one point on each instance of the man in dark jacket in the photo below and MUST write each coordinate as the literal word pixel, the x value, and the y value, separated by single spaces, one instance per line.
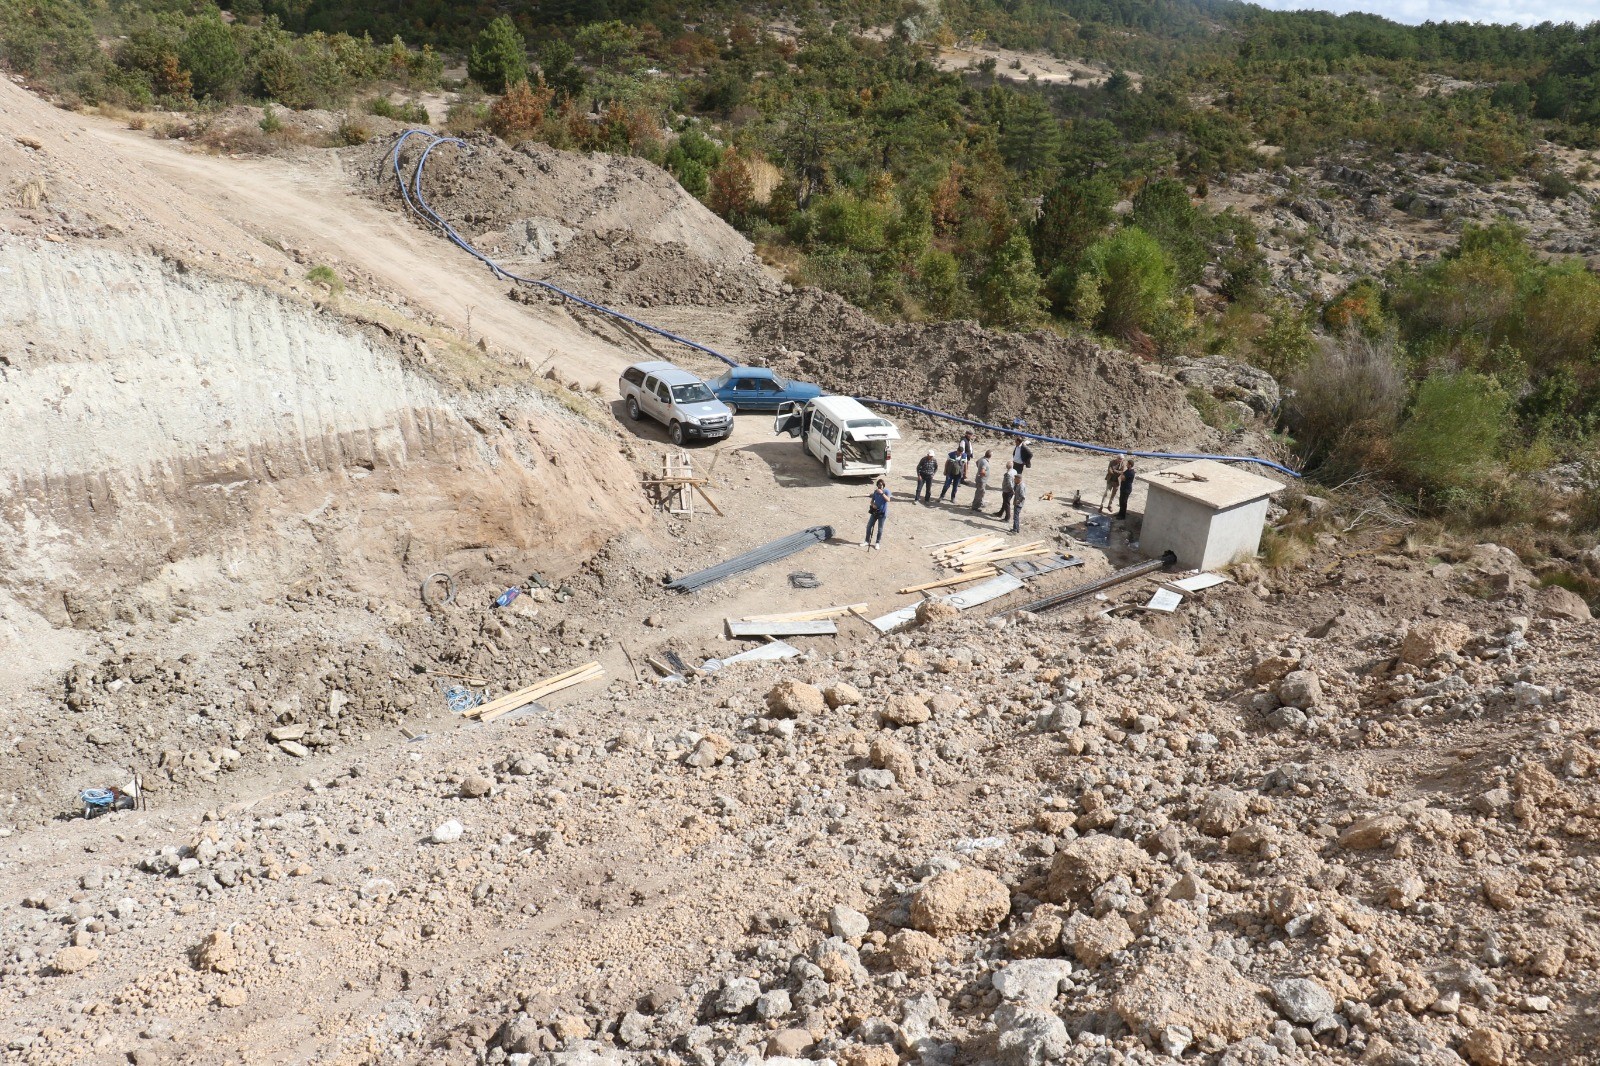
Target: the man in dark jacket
pixel 925 471
pixel 1126 490
pixel 952 475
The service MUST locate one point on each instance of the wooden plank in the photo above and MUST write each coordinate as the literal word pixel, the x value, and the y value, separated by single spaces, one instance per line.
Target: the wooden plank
pixel 958 540
pixel 945 582
pixel 821 627
pixel 805 616
pixel 992 589
pixel 487 712
pixel 700 488
pixel 550 690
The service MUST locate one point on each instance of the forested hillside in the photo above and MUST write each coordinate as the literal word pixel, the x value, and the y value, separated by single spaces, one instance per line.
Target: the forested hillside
pixel 861 157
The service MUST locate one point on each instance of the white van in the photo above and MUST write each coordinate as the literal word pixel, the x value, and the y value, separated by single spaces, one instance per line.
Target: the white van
pixel 850 440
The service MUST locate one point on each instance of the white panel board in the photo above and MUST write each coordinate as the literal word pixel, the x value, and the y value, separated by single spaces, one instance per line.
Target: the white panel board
pixel 983 592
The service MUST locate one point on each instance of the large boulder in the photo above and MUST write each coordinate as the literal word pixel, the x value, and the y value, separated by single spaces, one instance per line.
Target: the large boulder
pixel 1429 640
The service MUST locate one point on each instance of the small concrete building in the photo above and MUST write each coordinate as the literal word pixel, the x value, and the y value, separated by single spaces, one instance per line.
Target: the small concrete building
pixel 1207 513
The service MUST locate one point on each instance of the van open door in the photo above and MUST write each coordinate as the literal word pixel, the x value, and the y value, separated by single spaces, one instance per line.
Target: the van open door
pixel 788 419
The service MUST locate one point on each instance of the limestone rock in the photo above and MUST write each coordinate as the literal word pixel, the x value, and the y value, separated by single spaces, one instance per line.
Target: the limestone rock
pixel 1299 688
pixel 1302 1001
pixel 1271 670
pixel 1427 641
pixel 1038 936
pixel 1564 604
pixel 867 1055
pixel 1029 1036
pixel 841 694
pixel 915 953
pixel 789 1043
pixel 847 923
pixel 1089 862
pixel 905 710
pixel 932 612
pixel 232 997
pixel 1195 990
pixel 736 995
pixel 447 832
pixel 1373 831
pixel 795 699
pixel 708 751
pixel 216 953
pixel 1224 811
pixel 1097 939
pixel 964 900
pixel 889 754
pixel 1035 982
pixel 1486 1047
pixel 74 959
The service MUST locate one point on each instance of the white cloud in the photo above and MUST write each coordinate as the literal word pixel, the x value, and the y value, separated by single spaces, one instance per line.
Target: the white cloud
pixel 1524 12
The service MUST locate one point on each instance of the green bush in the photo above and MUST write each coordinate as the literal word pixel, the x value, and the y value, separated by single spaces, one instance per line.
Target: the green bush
pixel 1125 282
pixel 1452 434
pixel 210 53
pixel 1012 292
pixel 499 57
pixel 405 111
pixel 270 122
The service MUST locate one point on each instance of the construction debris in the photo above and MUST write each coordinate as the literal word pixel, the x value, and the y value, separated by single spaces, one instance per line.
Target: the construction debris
pixel 770 552
pixel 980 552
pixel 488 712
pixel 803 628
pixel 765 653
pixel 992 589
pixel 806 616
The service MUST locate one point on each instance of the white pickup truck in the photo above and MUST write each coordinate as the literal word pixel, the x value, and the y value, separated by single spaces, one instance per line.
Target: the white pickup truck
pixel 677 399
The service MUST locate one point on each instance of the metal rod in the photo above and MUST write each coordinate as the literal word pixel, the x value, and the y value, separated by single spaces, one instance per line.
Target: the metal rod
pixel 1127 573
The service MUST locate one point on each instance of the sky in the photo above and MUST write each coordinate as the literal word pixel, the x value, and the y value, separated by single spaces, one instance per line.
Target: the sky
pixel 1526 12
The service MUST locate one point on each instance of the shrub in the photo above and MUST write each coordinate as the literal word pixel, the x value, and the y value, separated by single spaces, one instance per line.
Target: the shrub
pixel 1452 433
pixel 732 189
pixel 1286 344
pixel 1129 277
pixel 325 277
pixel 940 286
pixel 407 111
pixel 1012 291
pixel 500 56
pixel 521 111
pixel 270 122
pixel 351 133
pixel 1346 400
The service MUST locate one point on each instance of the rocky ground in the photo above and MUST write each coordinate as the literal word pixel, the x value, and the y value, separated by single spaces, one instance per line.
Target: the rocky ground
pixel 1341 812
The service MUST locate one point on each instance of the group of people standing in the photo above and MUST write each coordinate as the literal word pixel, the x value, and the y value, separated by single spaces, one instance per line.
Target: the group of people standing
pixel 961 460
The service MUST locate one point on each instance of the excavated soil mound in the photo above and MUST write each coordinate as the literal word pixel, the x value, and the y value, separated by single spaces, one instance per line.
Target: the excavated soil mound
pixel 618 267
pixel 532 204
pixel 1059 386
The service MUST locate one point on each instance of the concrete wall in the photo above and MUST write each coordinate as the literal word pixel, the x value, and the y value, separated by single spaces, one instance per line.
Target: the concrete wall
pixel 1202 539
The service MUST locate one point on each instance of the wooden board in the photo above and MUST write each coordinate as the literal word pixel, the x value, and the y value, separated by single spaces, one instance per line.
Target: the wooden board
pixel 822 627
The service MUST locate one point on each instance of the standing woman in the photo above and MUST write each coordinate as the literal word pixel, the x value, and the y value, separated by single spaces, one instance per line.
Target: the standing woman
pixel 877 513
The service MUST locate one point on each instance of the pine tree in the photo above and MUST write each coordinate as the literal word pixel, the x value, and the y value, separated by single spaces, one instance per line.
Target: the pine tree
pixel 500 56
pixel 1011 285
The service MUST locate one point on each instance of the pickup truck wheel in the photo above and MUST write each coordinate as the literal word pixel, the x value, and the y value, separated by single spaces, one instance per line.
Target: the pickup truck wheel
pixel 633 408
pixel 675 431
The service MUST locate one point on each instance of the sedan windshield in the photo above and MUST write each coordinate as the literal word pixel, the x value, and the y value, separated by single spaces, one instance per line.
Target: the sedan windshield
pixel 696 393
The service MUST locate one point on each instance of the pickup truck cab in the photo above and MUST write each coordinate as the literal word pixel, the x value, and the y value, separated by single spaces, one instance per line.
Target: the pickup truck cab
pixel 675 398
pixel 848 439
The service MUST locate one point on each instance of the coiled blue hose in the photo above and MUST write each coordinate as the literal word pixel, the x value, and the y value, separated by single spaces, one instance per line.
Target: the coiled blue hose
pixel 418 204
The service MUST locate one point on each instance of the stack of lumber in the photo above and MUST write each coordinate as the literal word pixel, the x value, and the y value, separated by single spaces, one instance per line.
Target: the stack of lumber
pixel 488 712
pixel 814 623
pixel 982 552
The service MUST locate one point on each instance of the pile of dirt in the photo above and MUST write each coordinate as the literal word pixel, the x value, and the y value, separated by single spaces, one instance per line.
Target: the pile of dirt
pixel 1060 386
pixel 617 267
pixel 528 202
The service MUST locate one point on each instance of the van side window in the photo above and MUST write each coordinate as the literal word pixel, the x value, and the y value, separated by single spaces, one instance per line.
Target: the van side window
pixel 829 431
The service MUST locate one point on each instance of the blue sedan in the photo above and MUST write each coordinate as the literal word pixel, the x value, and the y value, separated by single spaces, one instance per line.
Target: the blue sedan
pixel 755 388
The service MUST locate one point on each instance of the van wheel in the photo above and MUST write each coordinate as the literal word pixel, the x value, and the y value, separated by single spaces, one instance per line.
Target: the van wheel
pixel 675 431
pixel 633 408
